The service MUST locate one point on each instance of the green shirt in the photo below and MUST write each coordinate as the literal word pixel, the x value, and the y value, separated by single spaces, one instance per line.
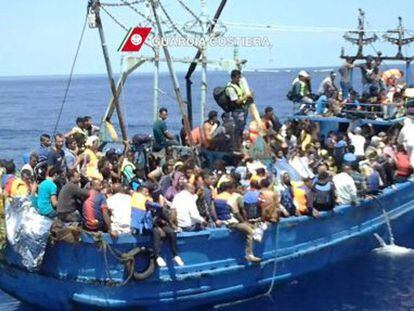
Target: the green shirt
pixel 47 189
pixel 159 129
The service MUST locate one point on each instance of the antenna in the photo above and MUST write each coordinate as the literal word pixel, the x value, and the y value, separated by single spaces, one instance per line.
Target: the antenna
pixel 400 39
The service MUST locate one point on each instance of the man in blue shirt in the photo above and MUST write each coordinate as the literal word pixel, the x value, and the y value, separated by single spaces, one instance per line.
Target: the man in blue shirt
pixel 47 195
pixel 44 148
pixel 162 137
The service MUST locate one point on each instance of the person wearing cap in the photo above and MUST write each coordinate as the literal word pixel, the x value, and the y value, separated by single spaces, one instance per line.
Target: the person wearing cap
pixel 327 86
pixel 301 90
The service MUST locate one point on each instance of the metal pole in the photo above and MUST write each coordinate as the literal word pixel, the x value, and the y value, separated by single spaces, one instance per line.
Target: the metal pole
pixel 193 65
pixel 203 97
pixel 156 82
pixel 176 85
pixel 110 75
pixel 407 73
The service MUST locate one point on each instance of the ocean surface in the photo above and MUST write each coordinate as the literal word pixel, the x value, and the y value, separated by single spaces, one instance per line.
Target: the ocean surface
pixel 29 106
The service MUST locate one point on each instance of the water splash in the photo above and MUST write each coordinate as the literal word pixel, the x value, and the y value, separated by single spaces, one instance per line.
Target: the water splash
pixel 390 249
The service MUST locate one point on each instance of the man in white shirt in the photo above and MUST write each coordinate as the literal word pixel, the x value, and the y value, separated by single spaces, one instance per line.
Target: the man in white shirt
pixel 357 140
pixel 184 203
pixel 346 192
pixel 119 206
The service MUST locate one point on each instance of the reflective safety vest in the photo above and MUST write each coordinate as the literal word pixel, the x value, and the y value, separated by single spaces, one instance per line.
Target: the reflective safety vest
pixel 304 89
pixel 299 195
pixel 92 166
pixel 239 90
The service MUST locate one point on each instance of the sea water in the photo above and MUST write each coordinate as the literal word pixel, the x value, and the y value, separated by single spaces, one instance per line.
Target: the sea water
pixel 29 106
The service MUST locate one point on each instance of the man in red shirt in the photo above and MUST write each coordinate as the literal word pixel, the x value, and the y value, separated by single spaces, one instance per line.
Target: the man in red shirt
pixel 95 216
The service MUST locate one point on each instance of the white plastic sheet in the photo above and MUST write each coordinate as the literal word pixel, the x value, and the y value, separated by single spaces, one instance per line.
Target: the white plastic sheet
pixel 27 231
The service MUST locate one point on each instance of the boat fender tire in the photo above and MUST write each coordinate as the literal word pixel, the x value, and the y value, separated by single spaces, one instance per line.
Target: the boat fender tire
pixel 129 261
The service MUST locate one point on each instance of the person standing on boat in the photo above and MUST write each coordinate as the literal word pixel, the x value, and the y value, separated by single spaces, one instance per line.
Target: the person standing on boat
pixel 56 159
pixel 89 127
pixel 369 71
pixel 163 138
pixel 45 143
pixel 79 129
pixel 239 98
pixel 345 71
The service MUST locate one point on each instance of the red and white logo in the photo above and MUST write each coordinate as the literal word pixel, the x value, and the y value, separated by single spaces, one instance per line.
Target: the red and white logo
pixel 134 39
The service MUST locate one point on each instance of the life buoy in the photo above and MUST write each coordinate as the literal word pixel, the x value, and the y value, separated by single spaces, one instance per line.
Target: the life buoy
pixel 129 262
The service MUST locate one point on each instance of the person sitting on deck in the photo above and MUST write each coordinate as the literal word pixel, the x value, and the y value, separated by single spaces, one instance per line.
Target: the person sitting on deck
pixel 128 167
pixel 119 206
pixel 23 186
pixel 402 164
pixel 149 216
pixel 95 216
pixel 327 86
pixel 47 194
pixel 70 198
pixel 301 92
pixel 163 138
pixel 30 166
pixel 91 159
pixel 184 204
pixel 323 190
pixel 225 216
pixel 345 189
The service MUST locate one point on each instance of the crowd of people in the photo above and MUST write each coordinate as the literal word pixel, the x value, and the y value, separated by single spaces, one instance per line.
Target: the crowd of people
pixel 382 94
pixel 71 179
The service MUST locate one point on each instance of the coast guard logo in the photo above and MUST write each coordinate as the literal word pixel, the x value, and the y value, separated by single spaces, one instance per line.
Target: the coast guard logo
pixel 134 39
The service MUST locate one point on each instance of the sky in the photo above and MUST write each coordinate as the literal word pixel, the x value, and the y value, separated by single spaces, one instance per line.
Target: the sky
pixel 40 37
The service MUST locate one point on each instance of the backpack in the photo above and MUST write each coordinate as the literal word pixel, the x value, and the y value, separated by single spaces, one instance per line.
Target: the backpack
pixel 324 196
pixel 222 99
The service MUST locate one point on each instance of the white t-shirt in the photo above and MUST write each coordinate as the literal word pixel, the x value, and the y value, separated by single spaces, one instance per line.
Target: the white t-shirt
pixel 187 212
pixel 120 207
pixel 345 188
pixel 358 141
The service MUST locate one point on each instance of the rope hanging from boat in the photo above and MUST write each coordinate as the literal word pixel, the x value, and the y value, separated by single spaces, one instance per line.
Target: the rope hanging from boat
pixel 272 283
pixel 70 75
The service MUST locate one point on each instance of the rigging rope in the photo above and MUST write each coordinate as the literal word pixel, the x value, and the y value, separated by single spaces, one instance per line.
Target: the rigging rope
pixel 114 19
pixel 189 11
pixel 70 75
pixel 173 25
pixel 125 3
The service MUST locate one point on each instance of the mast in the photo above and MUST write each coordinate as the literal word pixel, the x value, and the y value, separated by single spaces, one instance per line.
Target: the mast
pixel 203 100
pixel 176 85
pixel 94 5
pixel 400 40
pixel 358 37
pixel 156 82
pixel 193 65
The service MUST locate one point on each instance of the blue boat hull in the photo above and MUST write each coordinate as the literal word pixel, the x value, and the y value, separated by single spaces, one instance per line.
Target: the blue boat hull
pixel 78 275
